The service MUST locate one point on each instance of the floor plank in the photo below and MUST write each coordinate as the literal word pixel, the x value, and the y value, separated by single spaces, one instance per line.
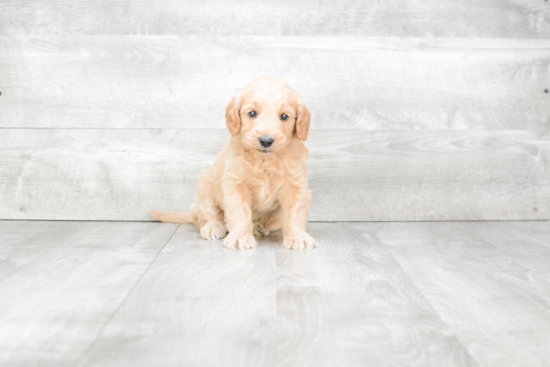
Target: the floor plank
pixel 198 305
pixel 430 18
pixel 527 243
pixel 346 303
pixel 22 241
pixel 65 281
pixel 385 294
pixel 484 282
pixel 349 303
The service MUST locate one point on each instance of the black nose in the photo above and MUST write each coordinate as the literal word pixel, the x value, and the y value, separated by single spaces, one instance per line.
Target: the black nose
pixel 266 141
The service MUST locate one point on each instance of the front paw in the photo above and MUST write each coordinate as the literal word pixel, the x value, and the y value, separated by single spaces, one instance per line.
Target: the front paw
pixel 299 241
pixel 239 240
pixel 213 230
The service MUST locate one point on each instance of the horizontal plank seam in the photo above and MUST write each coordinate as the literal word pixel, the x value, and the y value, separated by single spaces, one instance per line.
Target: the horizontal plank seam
pixel 363 42
pixel 123 301
pixel 311 221
pixel 223 129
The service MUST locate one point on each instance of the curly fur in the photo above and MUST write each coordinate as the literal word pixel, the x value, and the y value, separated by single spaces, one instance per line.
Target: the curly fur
pixel 251 188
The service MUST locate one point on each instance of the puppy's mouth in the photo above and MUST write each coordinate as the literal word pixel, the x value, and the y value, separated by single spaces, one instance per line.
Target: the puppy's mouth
pixel 265 151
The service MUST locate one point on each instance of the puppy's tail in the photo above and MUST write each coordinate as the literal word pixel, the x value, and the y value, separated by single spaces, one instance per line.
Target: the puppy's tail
pixel 172 217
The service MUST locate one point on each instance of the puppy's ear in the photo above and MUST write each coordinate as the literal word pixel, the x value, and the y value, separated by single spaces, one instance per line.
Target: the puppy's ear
pixel 233 115
pixel 302 123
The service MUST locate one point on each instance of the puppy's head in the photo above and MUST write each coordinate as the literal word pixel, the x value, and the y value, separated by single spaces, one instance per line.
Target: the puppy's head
pixel 267 114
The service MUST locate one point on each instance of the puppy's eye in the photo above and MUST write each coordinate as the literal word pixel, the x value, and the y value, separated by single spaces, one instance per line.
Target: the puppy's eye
pixel 252 114
pixel 284 117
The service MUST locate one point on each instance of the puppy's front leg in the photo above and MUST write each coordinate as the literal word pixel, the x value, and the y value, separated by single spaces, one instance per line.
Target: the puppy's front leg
pixel 295 205
pixel 238 217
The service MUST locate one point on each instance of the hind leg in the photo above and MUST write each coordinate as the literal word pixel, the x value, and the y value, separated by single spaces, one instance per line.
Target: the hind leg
pixel 268 222
pixel 207 214
pixel 275 221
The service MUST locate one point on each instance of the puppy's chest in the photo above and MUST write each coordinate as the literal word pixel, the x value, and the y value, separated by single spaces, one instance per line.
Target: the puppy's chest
pixel 265 186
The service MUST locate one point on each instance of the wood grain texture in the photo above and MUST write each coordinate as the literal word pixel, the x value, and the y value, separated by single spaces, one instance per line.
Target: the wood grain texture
pixel 348 302
pixel 527 243
pixel 386 294
pixel 496 300
pixel 198 305
pixel 347 82
pixel 21 242
pixel 430 18
pixel 118 174
pixel 67 279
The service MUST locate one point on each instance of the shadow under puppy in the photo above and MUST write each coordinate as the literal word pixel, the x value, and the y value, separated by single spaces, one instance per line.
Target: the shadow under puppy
pixel 258 182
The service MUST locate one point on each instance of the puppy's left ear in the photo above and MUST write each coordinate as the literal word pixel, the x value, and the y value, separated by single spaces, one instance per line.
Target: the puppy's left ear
pixel 233 115
pixel 302 123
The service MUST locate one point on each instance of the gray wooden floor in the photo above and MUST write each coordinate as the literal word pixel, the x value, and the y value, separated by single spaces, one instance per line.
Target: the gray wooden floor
pixel 372 294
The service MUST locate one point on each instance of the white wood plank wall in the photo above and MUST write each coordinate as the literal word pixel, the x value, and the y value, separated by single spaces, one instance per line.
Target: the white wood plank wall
pixel 117 174
pixel 420 18
pixel 347 82
pixel 423 110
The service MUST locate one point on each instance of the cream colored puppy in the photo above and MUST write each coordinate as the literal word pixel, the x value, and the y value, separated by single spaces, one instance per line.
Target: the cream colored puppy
pixel 259 179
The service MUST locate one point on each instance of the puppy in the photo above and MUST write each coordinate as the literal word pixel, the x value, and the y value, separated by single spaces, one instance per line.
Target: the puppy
pixel 258 182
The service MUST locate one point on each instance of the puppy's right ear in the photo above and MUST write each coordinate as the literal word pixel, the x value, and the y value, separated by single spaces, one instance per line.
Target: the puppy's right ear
pixel 233 115
pixel 302 123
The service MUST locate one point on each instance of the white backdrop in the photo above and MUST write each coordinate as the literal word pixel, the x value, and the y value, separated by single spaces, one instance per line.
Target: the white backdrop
pixel 424 110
